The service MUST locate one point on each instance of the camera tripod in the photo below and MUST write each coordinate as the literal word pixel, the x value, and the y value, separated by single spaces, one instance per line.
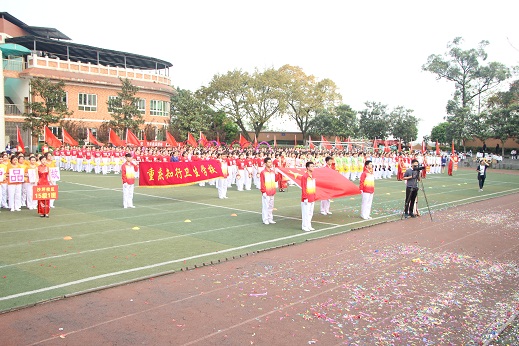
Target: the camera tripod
pixel 420 187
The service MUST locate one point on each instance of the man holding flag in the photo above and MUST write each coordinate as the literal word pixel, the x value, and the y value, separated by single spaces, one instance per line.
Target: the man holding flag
pixel 268 179
pixel 308 197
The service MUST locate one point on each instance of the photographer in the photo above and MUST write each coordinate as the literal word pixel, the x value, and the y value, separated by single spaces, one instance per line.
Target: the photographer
pixel 411 176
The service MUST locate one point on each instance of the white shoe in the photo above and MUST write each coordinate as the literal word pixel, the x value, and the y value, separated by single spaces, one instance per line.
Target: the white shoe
pixel 311 228
pixel 330 213
pixel 225 197
pixel 266 223
pixel 52 206
pixel 125 207
pixel 132 206
pixel 305 229
pixel 323 213
pixel 272 221
pixel 369 218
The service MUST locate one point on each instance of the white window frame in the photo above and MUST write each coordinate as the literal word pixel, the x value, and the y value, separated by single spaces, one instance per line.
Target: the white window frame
pixel 141 105
pixel 159 107
pixel 90 104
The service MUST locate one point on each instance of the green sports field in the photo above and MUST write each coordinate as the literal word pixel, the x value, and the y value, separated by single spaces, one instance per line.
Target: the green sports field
pixel 90 241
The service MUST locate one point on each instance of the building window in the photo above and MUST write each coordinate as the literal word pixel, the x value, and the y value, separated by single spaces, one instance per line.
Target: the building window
pixel 159 108
pixel 87 102
pixel 141 105
pixel 65 99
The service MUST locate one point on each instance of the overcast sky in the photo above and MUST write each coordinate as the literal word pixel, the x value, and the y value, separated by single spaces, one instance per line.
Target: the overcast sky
pixel 372 50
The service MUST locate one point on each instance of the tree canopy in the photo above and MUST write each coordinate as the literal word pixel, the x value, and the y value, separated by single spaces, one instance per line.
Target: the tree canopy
pixel 124 108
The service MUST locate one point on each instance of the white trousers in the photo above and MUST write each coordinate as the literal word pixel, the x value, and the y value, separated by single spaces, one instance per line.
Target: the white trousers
pixel 241 180
pixel 221 185
pixel 128 195
pixel 365 209
pixel 307 212
pixel 4 194
pixel 248 180
pixel 15 196
pixel 267 206
pixel 28 196
pixel 325 206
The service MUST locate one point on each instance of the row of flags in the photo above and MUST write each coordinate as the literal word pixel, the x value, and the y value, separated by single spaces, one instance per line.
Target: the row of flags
pixel 132 139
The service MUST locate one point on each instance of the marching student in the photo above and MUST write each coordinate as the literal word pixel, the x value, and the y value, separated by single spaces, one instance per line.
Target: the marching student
pixel 222 183
pixel 14 186
pixel 51 164
pixel 367 188
pixel 128 176
pixel 325 203
pixel 268 179
pixel 307 197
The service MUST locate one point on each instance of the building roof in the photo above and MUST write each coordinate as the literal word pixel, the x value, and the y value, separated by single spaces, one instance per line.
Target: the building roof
pixel 35 30
pixel 88 54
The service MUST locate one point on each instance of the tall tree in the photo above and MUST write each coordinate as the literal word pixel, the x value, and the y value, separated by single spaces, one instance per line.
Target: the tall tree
pixel 340 121
pixel 404 125
pixel 504 114
pixel 374 121
pixel 223 128
pixel 439 133
pixel 124 108
pixel 48 105
pixel 306 96
pixel 189 113
pixel 348 121
pixel 472 79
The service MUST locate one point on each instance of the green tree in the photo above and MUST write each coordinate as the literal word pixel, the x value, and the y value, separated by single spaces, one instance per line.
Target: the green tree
pixel 374 121
pixel 504 114
pixel 340 121
pixel 306 97
pixel 404 125
pixel 439 133
pixel 472 80
pixel 48 106
pixel 223 128
pixel 189 113
pixel 124 108
pixel 348 121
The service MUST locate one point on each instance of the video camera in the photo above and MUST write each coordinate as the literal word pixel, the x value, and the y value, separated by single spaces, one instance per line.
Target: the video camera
pixel 418 168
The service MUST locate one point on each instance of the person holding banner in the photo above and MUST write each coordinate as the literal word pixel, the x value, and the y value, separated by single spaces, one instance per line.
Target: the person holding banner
pixel 325 203
pixel 53 173
pixel 307 197
pixel 4 160
pixel 268 179
pixel 15 172
pixel 128 175
pixel 43 180
pixel 367 188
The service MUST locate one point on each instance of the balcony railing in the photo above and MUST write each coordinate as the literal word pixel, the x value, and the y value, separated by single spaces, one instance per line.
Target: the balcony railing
pixel 100 70
pixel 11 109
pixel 12 65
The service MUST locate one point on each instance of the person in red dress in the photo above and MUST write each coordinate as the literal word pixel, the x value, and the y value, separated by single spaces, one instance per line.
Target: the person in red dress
pixel 43 180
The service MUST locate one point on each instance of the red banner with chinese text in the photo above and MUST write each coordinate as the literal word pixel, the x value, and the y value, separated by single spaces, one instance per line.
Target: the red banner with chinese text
pixel 44 192
pixel 178 173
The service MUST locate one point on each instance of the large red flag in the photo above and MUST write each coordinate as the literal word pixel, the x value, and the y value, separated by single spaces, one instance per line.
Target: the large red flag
pixel 243 142
pixel 21 147
pixel 255 141
pixel 191 140
pixel 453 146
pixel 144 140
pixel 203 139
pixel 131 138
pixel 399 146
pixel 310 143
pixel 67 138
pixel 326 144
pixel 275 142
pixel 114 139
pixel 329 183
pixel 93 140
pixel 51 140
pixel 437 148
pixel 424 147
pixel 171 140
pixel 338 144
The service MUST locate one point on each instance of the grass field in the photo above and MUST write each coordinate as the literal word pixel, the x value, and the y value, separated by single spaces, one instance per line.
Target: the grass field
pixel 90 241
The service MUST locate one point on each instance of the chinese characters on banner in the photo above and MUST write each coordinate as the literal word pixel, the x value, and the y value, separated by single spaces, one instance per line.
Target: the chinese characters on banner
pixel 178 173
pixel 2 174
pixel 32 174
pixel 16 175
pixel 45 192
pixel 54 174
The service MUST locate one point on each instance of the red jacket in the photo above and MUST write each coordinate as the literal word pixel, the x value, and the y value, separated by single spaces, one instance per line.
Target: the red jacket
pixel 307 188
pixel 367 181
pixel 268 182
pixel 128 174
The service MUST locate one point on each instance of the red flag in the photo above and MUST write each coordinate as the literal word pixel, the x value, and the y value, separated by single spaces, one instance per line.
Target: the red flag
pixel 93 140
pixel 131 138
pixel 243 142
pixel 424 147
pixel 203 139
pixel 114 139
pixel 338 144
pixel 326 144
pixel 255 141
pixel 399 146
pixel 453 146
pixel 295 140
pixel 144 140
pixel 350 147
pixel 437 148
pixel 312 146
pixel 67 138
pixel 171 140
pixel 21 146
pixel 275 142
pixel 386 146
pixel 191 140
pixel 330 184
pixel 51 140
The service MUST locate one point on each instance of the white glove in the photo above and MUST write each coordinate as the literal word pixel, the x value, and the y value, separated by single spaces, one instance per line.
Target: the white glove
pixel 264 194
